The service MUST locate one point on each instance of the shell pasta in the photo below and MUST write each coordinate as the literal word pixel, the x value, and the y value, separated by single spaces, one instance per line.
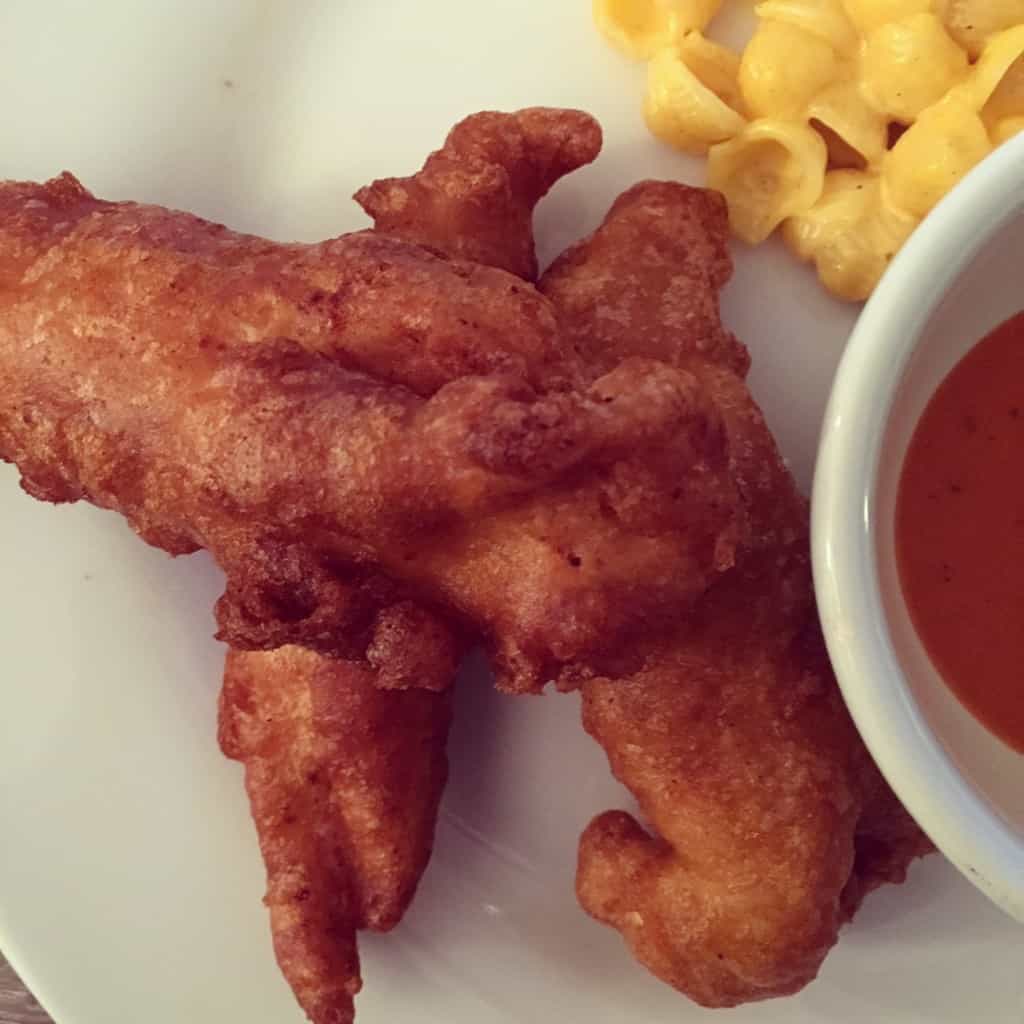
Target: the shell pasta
pixel 772 170
pixel 691 95
pixel 842 121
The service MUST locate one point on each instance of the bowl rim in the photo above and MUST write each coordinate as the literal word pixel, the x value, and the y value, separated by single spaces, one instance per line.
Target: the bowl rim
pixel 958 819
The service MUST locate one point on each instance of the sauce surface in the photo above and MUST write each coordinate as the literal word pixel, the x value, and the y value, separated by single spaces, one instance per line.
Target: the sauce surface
pixel 960 530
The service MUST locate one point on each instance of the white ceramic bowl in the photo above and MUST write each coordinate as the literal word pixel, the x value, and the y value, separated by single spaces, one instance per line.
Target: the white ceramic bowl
pixel 960 275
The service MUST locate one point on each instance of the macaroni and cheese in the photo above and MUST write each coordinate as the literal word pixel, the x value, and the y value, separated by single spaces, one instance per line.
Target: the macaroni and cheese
pixel 842 121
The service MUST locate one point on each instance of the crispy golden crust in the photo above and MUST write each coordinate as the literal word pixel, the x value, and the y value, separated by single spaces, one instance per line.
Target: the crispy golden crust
pixel 745 916
pixel 284 594
pixel 736 744
pixel 237 430
pixel 366 301
pixel 409 647
pixel 769 821
pixel 621 545
pixel 344 781
pixel 661 303
pixel 474 198
pixel 280 593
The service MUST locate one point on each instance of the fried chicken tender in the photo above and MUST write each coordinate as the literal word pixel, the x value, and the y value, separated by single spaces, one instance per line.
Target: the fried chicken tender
pixel 366 301
pixel 361 877
pixel 344 780
pixel 770 822
pixel 202 384
pixel 474 198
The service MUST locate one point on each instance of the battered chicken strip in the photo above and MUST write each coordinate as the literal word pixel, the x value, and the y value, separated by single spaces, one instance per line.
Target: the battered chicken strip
pixel 737 746
pixel 326 878
pixel 770 822
pixel 474 198
pixel 367 781
pixel 201 383
pixel 344 780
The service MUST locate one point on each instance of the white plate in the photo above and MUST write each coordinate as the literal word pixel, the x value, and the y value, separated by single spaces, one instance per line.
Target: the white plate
pixel 129 878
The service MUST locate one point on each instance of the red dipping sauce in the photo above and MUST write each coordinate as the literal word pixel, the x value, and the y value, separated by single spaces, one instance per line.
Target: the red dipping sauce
pixel 960 530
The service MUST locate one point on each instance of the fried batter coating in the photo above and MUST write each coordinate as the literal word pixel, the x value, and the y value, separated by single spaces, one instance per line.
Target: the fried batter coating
pixel 474 197
pixel 452 206
pixel 344 780
pixel 568 575
pixel 411 647
pixel 287 593
pixel 129 379
pixel 662 301
pixel 737 746
pixel 770 822
pixel 366 301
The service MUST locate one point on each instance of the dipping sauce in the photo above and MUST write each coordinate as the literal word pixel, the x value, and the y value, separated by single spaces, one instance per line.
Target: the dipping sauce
pixel 960 531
